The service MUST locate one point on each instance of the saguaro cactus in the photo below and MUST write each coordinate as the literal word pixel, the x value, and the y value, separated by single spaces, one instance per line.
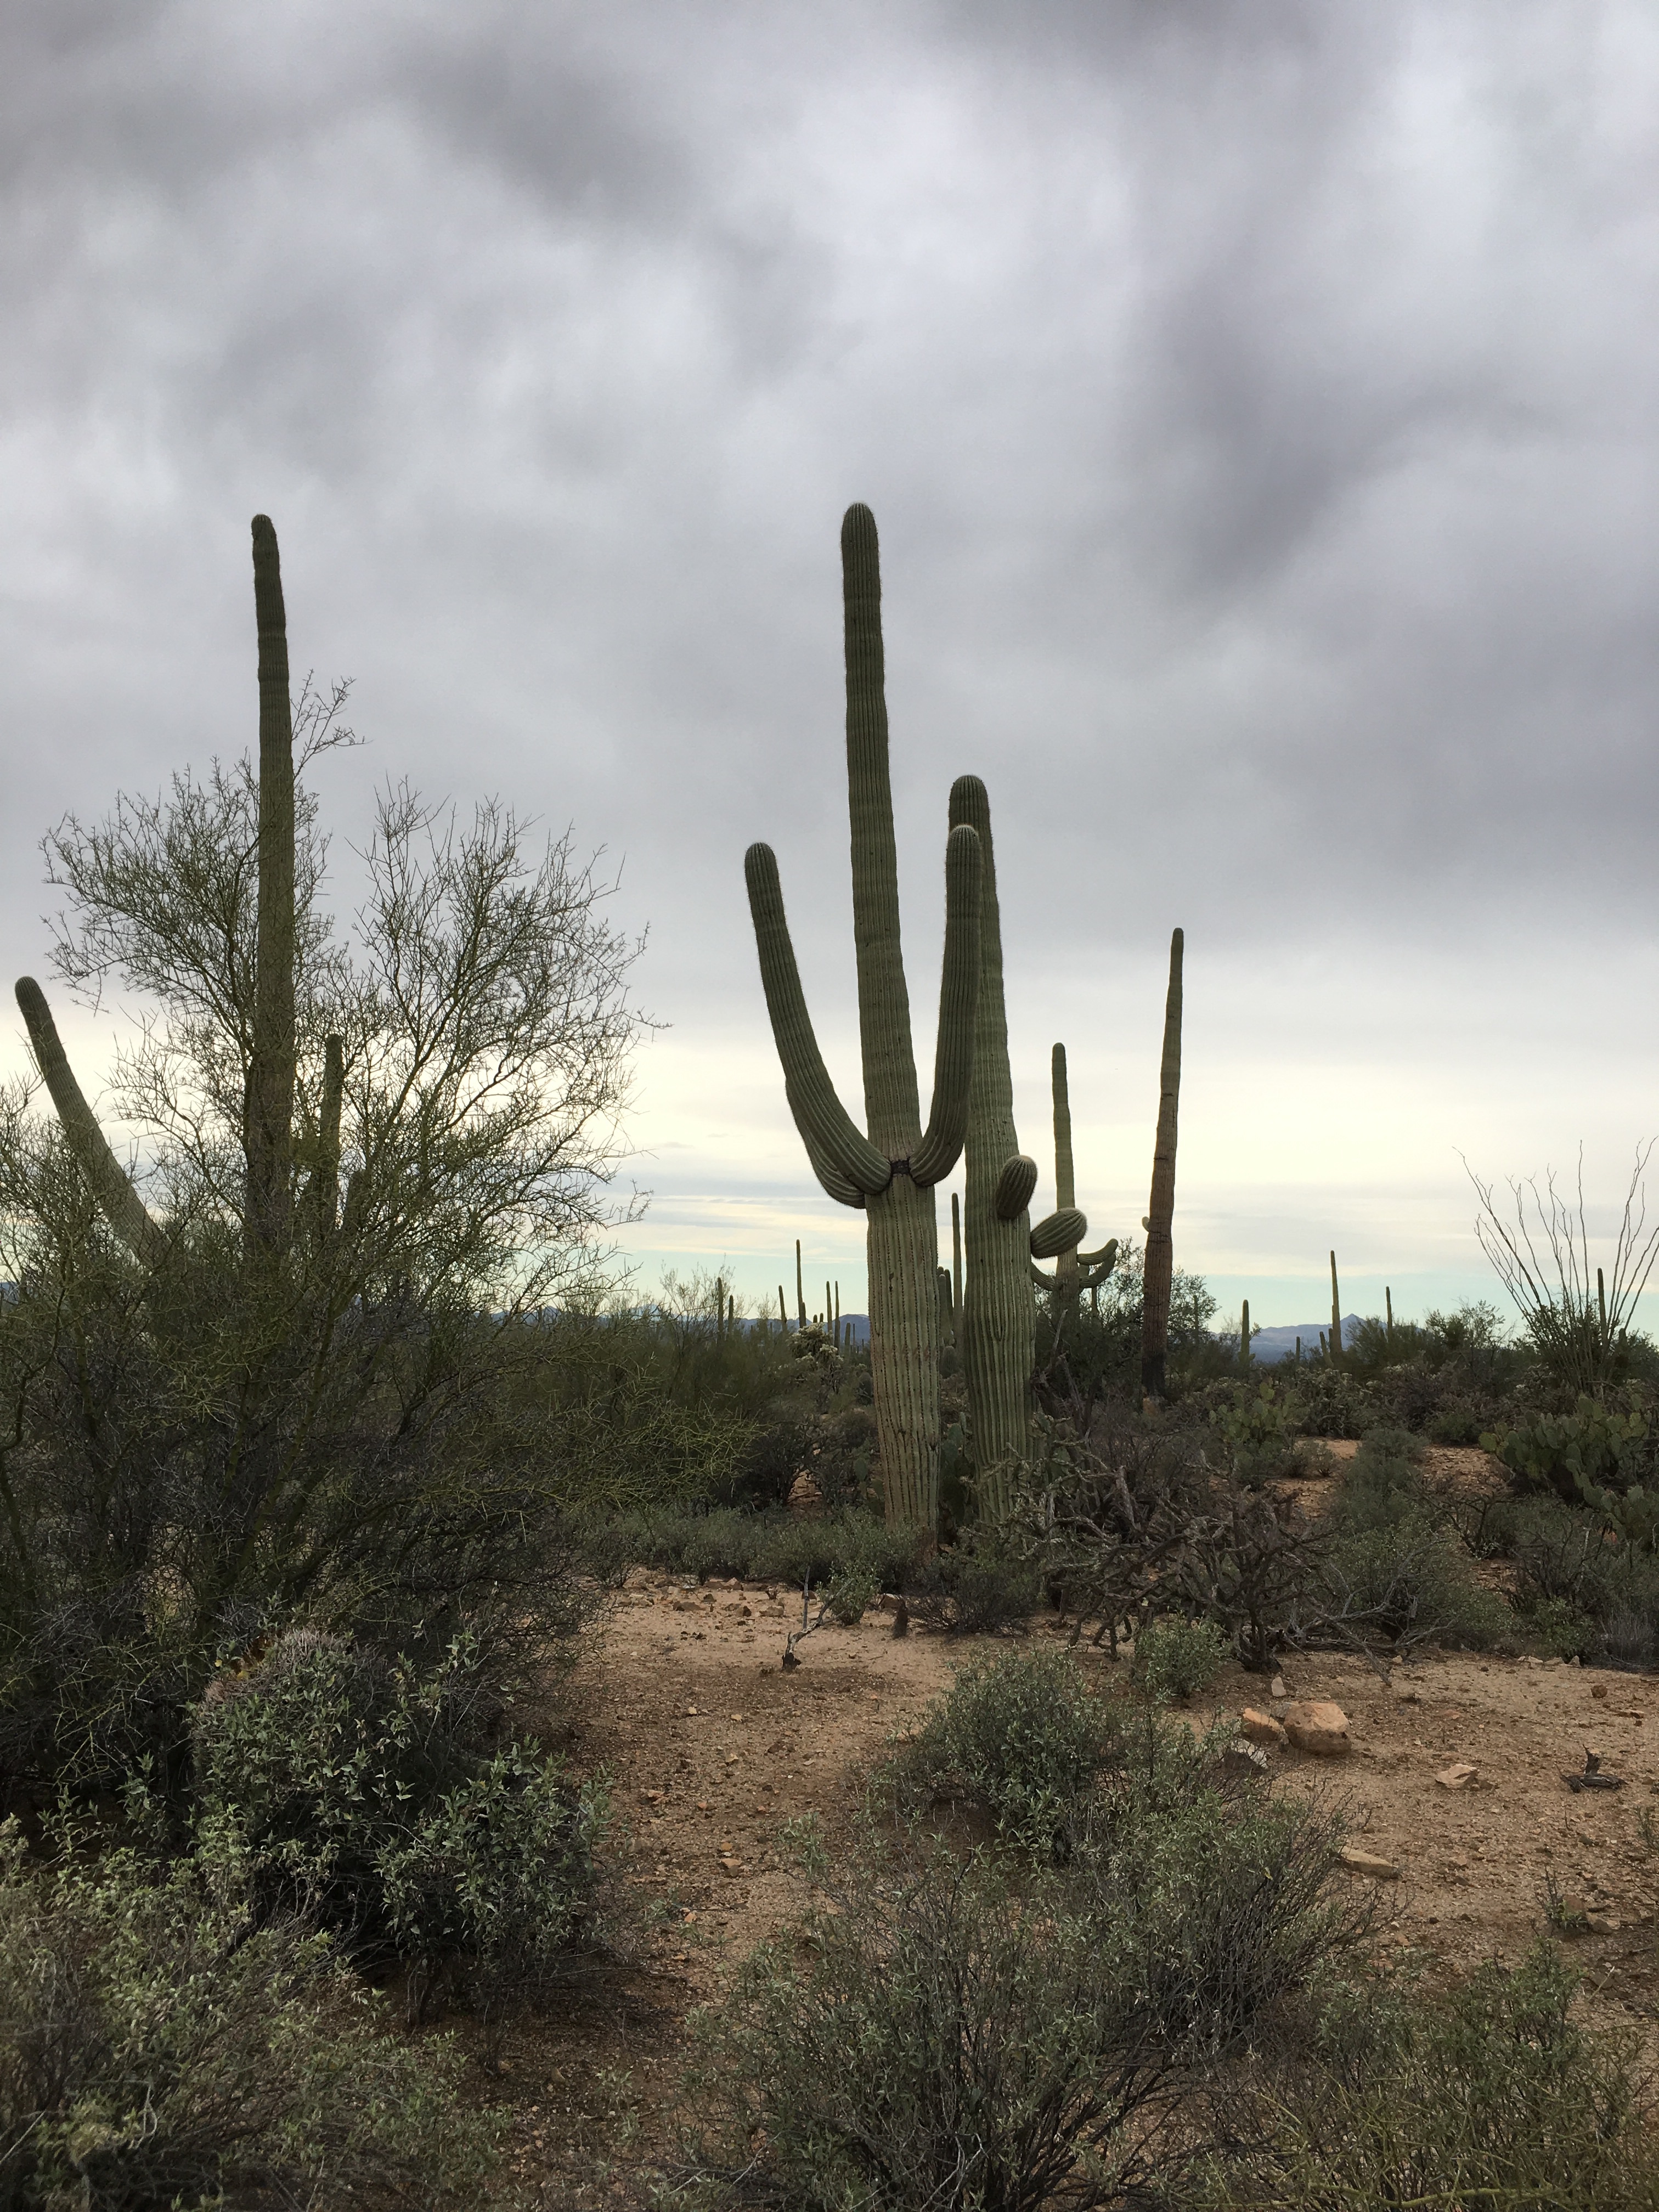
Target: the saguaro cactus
pixel 1159 1270
pixel 997 1326
pixel 1336 1314
pixel 268 1114
pixel 1075 1271
pixel 891 1170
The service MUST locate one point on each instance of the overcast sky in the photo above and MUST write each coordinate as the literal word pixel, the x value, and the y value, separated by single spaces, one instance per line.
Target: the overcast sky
pixel 1258 404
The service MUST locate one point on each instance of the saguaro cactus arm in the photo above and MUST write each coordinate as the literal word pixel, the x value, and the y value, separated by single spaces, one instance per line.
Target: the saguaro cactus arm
pixel 841 1188
pixel 1061 1231
pixel 811 1095
pixel 1014 1186
pixel 958 995
pixel 124 1209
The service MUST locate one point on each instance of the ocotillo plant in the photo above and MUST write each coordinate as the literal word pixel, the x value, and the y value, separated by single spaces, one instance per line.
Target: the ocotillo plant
pixel 1158 1268
pixel 1075 1272
pixel 997 1324
pixel 268 1128
pixel 891 1170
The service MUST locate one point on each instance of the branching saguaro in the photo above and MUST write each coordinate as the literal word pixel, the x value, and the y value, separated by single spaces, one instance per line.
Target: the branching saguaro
pixel 889 1168
pixel 1158 1268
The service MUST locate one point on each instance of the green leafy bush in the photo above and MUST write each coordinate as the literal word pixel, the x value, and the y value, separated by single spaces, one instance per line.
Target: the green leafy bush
pixel 160 2051
pixel 361 1793
pixel 939 2037
pixel 1383 1484
pixel 1023 1737
pixel 1407 1582
pixel 1335 1402
pixel 1176 1658
pixel 1492 2096
pixel 947 2036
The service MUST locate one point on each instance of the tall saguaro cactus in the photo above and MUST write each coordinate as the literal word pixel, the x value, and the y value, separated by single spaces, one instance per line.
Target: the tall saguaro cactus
pixel 1159 1269
pixel 268 1123
pixel 270 1112
pixel 890 1170
pixel 1075 1271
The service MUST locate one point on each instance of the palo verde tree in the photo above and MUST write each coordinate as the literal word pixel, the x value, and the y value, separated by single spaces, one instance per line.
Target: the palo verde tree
pixel 286 1364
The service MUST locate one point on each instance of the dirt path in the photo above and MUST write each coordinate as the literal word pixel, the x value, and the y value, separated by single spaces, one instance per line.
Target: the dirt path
pixel 711 1748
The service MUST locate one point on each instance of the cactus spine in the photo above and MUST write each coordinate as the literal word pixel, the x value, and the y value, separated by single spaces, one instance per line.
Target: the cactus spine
pixel 1159 1269
pixel 891 1171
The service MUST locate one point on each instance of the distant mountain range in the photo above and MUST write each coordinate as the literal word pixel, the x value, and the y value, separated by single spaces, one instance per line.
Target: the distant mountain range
pixel 1270 1345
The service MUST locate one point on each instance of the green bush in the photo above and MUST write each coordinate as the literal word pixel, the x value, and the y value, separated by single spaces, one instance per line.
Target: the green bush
pixel 944 2037
pixel 1335 1402
pixel 1020 1737
pixel 1492 2096
pixel 159 2050
pixel 1218 1902
pixel 1257 1429
pixel 937 2037
pixel 360 1793
pixel 1176 1658
pixel 1410 1581
pixel 1383 1484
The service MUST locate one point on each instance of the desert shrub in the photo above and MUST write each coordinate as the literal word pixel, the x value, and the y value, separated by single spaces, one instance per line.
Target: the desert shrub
pixel 1582 1591
pixel 1383 1484
pixel 941 2038
pixel 1492 2095
pixel 1256 1430
pixel 160 2051
pixel 1023 1737
pixel 1460 1422
pixel 1334 1402
pixel 986 1587
pixel 948 2037
pixel 1221 1903
pixel 1176 1658
pixel 361 1792
pixel 1407 1582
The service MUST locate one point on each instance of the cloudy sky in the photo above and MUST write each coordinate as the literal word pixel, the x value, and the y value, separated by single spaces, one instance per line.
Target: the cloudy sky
pixel 1258 403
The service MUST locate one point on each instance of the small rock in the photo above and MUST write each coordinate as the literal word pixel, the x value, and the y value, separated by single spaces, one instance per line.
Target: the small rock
pixel 1456 1777
pixel 1360 1862
pixel 1276 1688
pixel 1259 1728
pixel 1318 1727
pixel 1598 1689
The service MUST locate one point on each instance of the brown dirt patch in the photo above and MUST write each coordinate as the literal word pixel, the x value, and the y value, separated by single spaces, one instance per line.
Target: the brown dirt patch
pixel 710 1748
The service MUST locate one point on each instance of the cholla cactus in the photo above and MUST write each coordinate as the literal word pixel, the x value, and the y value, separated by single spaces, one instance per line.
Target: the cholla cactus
pixel 891 1171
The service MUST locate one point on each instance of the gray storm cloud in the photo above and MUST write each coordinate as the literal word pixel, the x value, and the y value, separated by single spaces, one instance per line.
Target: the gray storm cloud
pixel 1258 401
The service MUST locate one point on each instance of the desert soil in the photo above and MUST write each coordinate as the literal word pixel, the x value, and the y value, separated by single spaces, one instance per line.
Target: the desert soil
pixel 710 1747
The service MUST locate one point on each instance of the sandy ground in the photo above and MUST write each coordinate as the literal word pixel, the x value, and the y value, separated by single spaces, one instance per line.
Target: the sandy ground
pixel 710 1747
